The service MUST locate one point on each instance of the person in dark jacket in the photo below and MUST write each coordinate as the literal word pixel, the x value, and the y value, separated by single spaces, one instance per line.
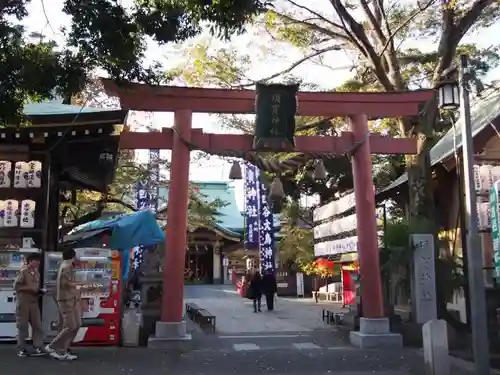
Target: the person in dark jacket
pixel 255 289
pixel 269 288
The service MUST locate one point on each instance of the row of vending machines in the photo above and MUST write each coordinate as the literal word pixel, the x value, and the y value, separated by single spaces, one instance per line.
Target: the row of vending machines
pixel 99 272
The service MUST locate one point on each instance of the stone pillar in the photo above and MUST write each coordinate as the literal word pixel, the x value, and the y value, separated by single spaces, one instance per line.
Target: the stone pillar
pixel 225 270
pixel 374 327
pixel 172 326
pixel 436 354
pixel 217 277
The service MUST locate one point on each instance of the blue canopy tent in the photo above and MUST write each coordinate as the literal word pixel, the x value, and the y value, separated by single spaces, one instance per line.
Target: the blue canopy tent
pixel 126 232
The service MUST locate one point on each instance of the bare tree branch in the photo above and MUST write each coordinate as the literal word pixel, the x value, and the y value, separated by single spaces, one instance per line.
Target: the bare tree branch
pixel 319 16
pixel 469 18
pixel 373 22
pixel 293 66
pixel 358 30
pixel 454 32
pixel 315 27
pixel 353 39
pixel 390 62
pixel 405 23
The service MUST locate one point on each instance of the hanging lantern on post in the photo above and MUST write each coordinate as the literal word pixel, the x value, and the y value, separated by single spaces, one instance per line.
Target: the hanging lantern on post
pixel 275 108
pixel 235 171
pixel 276 195
pixel 277 206
pixel 448 94
pixel 319 171
pixel 276 191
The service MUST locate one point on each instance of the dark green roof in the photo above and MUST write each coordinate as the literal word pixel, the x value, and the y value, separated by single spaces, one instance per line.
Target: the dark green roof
pixel 54 112
pixel 230 220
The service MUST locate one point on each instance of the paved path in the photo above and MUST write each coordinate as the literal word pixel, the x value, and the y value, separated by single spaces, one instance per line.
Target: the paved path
pixel 235 315
pixel 141 361
pixel 289 341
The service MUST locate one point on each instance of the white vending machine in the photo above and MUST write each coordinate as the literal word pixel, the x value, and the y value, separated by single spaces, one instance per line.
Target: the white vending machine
pixel 11 262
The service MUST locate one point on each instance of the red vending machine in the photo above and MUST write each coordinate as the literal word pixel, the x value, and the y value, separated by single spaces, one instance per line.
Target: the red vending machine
pixel 99 270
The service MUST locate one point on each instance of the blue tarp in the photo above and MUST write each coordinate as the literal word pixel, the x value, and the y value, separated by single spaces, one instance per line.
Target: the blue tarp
pixel 128 231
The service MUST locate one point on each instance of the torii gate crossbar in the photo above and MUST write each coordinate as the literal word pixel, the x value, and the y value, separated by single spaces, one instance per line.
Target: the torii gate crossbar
pixel 357 107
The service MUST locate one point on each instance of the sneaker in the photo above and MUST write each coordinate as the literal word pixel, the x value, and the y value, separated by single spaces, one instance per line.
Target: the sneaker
pixel 71 356
pixel 62 357
pixel 38 352
pixel 22 353
pixel 52 352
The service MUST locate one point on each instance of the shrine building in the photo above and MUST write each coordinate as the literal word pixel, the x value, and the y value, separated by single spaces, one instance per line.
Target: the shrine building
pixel 213 252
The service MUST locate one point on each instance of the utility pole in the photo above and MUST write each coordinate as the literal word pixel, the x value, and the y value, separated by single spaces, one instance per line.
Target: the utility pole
pixel 480 343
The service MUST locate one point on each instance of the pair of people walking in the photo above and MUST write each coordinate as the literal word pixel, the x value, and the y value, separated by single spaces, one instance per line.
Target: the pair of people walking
pixel 262 285
pixel 27 287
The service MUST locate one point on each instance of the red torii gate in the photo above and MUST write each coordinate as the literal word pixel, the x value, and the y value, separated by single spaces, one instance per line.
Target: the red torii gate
pixel 358 107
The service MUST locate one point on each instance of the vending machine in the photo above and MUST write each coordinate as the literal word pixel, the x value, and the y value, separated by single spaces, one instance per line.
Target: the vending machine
pixel 99 272
pixel 11 262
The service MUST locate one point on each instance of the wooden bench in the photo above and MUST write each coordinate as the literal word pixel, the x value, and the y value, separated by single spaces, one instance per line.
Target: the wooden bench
pixel 328 316
pixel 192 310
pixel 205 319
pixel 327 296
pixel 332 317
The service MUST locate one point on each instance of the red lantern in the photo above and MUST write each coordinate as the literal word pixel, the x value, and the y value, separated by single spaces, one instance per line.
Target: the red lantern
pixel 325 264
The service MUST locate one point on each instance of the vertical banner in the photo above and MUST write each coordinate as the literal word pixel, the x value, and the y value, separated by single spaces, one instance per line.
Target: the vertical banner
pixel 147 194
pixel 252 186
pixel 266 235
pixel 141 195
pixel 154 179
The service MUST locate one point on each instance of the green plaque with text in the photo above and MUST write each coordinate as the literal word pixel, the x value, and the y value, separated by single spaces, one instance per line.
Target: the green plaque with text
pixel 275 108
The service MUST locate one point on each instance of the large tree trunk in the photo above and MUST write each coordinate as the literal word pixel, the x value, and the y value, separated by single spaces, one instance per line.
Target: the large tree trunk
pixel 421 197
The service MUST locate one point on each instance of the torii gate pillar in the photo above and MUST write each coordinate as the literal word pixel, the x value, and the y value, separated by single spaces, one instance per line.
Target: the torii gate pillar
pixel 368 253
pixel 374 330
pixel 172 326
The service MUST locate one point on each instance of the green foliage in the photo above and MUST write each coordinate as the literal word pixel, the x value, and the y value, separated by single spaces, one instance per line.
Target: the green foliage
pixel 121 193
pixel 396 257
pixel 203 68
pixel 396 251
pixel 296 246
pixel 104 35
pixel 203 213
pixel 33 71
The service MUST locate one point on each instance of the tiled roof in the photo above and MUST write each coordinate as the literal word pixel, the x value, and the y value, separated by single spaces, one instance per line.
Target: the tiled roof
pixel 56 107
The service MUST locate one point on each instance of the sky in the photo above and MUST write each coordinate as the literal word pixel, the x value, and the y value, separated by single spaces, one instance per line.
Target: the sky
pixel 48 20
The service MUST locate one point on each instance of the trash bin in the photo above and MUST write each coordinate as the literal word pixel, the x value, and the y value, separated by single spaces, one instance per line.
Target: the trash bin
pixel 131 322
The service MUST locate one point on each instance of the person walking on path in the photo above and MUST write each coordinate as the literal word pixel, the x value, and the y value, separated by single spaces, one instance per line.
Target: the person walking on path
pixel 68 301
pixel 269 288
pixel 255 289
pixel 27 287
